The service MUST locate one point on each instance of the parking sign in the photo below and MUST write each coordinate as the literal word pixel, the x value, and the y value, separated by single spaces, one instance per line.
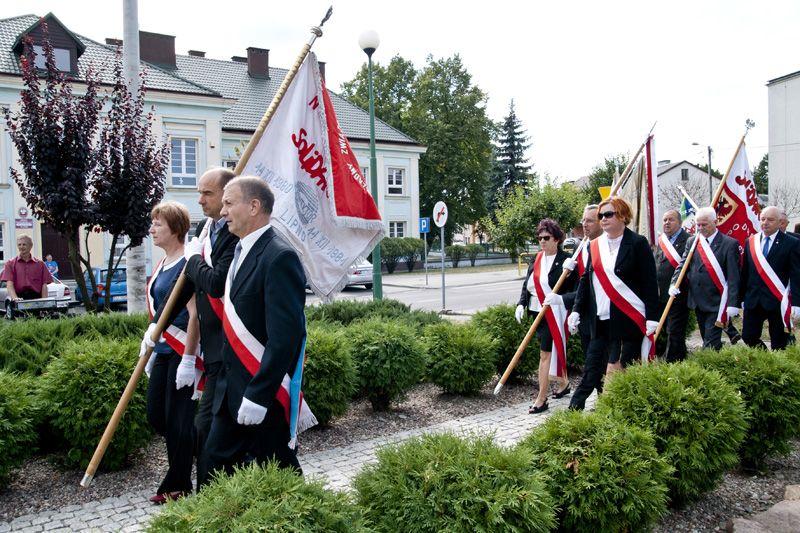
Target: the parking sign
pixel 424 224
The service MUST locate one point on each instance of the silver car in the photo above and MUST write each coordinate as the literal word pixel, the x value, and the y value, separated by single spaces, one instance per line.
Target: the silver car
pixel 360 273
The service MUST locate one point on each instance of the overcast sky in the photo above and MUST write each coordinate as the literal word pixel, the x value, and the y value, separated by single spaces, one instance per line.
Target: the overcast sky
pixel 588 78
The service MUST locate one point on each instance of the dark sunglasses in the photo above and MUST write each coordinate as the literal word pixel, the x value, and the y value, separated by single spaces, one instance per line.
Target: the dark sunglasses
pixel 544 238
pixel 606 214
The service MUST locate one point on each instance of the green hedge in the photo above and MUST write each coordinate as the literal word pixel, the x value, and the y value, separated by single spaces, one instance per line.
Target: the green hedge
pixel 460 357
pixel 445 483
pixel 770 386
pixel 329 375
pixel 498 322
pixel 29 345
pixel 261 499
pixel 605 475
pixel 473 251
pixel 17 422
pixel 389 358
pixel 79 391
pixel 345 312
pixel 455 252
pixel 698 419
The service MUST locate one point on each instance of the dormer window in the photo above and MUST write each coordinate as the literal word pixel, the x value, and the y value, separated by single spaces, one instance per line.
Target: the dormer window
pixel 61 56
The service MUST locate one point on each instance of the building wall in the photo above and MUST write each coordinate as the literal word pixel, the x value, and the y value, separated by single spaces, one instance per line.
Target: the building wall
pixel 696 184
pixel 784 145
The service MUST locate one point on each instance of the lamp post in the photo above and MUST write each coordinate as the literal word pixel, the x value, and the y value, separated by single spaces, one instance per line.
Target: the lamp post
pixel 369 41
pixel 710 181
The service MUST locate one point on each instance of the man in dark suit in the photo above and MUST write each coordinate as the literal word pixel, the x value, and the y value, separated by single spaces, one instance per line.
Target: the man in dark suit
pixel 782 257
pixel 205 278
pixel 703 295
pixel 673 242
pixel 264 332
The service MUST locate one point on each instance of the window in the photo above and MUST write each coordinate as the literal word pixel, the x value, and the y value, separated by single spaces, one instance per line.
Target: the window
pixel 61 55
pixel 397 229
pixel 184 162
pixel 684 174
pixel 395 180
pixel 122 242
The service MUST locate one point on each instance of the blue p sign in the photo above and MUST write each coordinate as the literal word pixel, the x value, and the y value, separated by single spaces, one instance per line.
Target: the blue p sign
pixel 425 224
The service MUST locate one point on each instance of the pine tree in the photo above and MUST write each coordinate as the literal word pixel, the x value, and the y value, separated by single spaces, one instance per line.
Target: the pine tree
pixel 512 165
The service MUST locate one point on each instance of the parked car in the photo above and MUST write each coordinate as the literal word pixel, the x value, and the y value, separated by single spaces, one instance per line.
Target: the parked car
pixel 119 286
pixel 360 273
pixel 57 302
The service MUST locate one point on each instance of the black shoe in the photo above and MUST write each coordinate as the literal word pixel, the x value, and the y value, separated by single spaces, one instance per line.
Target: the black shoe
pixel 535 410
pixel 735 339
pixel 562 393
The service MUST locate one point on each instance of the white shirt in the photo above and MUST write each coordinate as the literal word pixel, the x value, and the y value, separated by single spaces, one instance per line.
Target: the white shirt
pixel 771 241
pixel 246 243
pixel 711 239
pixel 601 298
pixel 547 263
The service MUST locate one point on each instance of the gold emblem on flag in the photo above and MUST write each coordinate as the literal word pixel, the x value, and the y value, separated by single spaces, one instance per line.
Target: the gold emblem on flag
pixel 726 207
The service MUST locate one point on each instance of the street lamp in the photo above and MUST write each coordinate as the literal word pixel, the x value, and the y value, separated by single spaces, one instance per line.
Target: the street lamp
pixel 710 182
pixel 369 41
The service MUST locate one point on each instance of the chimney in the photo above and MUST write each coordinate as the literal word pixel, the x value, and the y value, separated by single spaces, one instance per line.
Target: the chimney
pixel 197 53
pixel 258 62
pixel 113 42
pixel 322 70
pixel 239 59
pixel 158 49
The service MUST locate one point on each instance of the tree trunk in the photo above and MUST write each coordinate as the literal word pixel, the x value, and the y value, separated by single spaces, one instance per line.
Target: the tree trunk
pixel 75 261
pixel 109 274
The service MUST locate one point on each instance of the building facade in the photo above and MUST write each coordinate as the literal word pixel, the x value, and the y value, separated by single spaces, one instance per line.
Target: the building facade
pixel 784 144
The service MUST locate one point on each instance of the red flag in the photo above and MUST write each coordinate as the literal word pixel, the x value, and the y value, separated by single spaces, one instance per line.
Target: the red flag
pixel 738 209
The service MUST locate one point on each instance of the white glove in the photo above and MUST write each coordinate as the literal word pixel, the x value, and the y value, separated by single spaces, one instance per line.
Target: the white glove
pixel 519 314
pixel 573 321
pixel 147 341
pixel 193 247
pixel 732 312
pixel 250 413
pixel 554 299
pixel 795 311
pixel 569 264
pixel 651 326
pixel 673 290
pixel 184 376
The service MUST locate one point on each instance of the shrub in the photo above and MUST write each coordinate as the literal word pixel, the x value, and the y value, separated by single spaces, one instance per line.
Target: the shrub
pixel 770 387
pixel 575 355
pixel 456 252
pixel 412 250
pixel 473 251
pixel 389 359
pixel 460 357
pixel 347 311
pixel 604 474
pixel 264 498
pixel 698 419
pixel 444 483
pixel 17 422
pixel 79 391
pixel 329 376
pixel 391 252
pixel 498 322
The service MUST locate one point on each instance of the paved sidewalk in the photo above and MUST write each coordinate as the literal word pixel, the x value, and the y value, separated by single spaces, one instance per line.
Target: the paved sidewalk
pixel 338 466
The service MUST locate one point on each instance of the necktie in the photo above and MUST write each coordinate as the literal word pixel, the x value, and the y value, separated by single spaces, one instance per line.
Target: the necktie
pixel 765 249
pixel 214 231
pixel 235 263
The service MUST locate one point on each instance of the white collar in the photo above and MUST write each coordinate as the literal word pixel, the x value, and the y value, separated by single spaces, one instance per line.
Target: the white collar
pixel 250 239
pixel 713 235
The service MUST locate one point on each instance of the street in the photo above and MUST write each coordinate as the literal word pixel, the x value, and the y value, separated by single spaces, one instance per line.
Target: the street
pixel 465 291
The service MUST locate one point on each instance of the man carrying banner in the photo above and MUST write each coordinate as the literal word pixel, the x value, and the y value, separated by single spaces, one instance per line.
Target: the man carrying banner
pixel 770 282
pixel 713 278
pixel 208 256
pixel 671 245
pixel 258 405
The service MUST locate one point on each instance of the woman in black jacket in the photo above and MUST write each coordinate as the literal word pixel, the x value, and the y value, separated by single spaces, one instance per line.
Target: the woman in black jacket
pixel 542 276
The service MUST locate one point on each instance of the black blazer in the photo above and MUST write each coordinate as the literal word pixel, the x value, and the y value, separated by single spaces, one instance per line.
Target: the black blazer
pixel 202 281
pixel 703 294
pixel 784 258
pixel 636 267
pixel 552 279
pixel 665 270
pixel 269 295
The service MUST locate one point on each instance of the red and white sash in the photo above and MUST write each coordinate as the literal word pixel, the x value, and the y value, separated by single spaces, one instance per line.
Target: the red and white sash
pixel 717 276
pixel 249 352
pixel 669 250
pixel 583 261
pixel 216 303
pixel 620 294
pixel 176 337
pixel 556 321
pixel 780 291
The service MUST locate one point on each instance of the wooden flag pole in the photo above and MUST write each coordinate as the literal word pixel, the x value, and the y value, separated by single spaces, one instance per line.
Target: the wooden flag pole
pixel 161 325
pixel 682 274
pixel 564 275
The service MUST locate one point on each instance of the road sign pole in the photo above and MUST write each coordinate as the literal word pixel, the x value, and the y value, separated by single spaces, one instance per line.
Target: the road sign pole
pixel 441 240
pixel 425 259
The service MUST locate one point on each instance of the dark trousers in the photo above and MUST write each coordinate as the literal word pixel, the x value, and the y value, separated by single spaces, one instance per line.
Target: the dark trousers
pixel 675 326
pixel 202 421
pixel 231 444
pixel 753 323
pixel 710 333
pixel 171 413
